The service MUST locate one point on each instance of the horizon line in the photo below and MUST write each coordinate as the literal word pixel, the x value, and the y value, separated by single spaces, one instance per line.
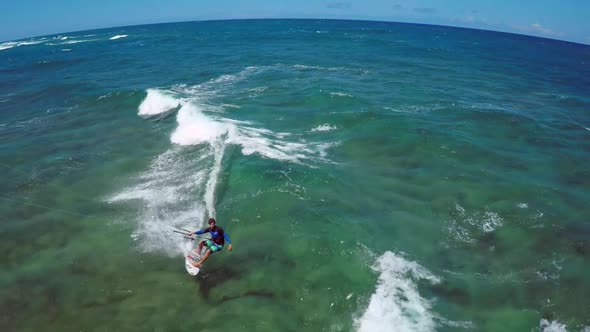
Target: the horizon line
pixel 300 19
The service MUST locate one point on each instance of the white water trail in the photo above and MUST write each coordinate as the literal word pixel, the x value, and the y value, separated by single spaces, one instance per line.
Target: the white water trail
pixel 179 188
pixel 219 149
pixel 166 195
pixel 396 304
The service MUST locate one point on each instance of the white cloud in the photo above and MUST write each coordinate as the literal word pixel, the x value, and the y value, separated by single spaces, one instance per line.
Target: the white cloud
pixel 470 19
pixel 539 29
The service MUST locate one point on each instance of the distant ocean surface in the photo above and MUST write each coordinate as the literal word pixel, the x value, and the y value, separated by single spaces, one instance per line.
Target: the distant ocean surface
pixel 372 177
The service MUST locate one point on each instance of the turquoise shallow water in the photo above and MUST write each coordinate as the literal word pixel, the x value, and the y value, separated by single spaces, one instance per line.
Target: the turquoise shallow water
pixel 372 177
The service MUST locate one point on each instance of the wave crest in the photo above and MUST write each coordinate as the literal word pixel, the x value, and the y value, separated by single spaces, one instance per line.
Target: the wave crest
pixel 157 102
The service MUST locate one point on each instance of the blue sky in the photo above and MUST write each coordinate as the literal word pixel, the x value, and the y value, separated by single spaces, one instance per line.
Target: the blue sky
pixel 558 19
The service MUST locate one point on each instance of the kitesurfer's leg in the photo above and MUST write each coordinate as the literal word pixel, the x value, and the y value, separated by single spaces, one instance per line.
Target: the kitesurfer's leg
pixel 199 263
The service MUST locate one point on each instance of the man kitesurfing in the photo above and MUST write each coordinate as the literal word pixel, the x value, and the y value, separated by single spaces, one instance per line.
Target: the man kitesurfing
pixel 215 244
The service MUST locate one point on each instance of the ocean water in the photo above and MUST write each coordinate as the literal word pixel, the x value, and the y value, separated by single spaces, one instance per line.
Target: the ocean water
pixel 372 177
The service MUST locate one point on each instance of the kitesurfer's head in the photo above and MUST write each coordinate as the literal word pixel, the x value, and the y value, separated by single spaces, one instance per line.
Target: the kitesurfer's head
pixel 211 223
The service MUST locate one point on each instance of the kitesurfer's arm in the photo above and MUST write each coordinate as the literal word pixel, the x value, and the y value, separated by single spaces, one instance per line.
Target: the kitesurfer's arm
pixel 226 237
pixel 201 231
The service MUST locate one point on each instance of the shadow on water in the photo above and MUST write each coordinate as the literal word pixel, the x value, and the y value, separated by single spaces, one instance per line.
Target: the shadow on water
pixel 237 268
pixel 578 236
pixel 452 293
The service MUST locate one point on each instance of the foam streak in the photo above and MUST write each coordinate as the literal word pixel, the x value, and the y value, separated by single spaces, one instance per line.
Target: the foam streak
pixel 396 304
pixel 218 148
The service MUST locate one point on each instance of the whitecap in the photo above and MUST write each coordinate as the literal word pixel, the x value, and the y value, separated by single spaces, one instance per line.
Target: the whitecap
pixel 396 304
pixel 195 128
pixel 157 102
pixel 324 127
pixel 306 67
pixel 7 45
pixel 11 44
pixel 553 326
pixel 77 41
pixel 118 36
pixel 340 94
pixel 71 41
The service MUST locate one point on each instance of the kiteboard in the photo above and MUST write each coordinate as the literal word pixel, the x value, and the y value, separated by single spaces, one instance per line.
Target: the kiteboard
pixel 192 257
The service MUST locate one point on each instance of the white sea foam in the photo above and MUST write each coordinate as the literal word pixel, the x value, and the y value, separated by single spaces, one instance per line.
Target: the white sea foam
pixel 522 205
pixel 11 44
pixel 464 226
pixel 340 94
pixel 222 80
pixel 489 222
pixel 459 324
pixel 324 127
pixel 396 304
pixel 553 326
pixel 259 89
pixel 118 36
pixel 550 268
pixel 230 106
pixel 166 192
pixel 218 151
pixel 305 67
pixel 156 102
pixel 179 187
pixel 69 42
pixel 459 233
pixel 195 127
pixel 104 96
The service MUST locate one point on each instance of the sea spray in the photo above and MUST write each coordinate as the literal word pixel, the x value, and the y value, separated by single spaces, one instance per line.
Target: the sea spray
pixel 157 102
pixel 179 188
pixel 551 326
pixel 166 193
pixel 396 304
